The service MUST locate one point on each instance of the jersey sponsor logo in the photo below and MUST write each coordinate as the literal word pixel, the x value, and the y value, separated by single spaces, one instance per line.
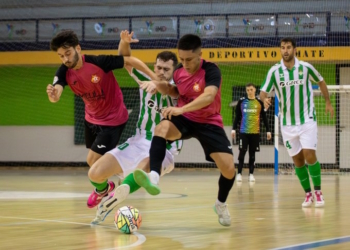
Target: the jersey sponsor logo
pixel 151 104
pixel 249 110
pixel 95 79
pixel 291 83
pixel 196 87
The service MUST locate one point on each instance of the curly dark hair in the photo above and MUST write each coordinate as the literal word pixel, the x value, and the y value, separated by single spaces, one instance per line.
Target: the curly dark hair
pixel 64 39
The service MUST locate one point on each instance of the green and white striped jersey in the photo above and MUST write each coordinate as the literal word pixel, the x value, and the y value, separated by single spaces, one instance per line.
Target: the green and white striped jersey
pixel 150 112
pixel 294 91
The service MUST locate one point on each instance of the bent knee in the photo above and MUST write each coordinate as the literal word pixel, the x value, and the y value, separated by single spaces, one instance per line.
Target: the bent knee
pixel 162 129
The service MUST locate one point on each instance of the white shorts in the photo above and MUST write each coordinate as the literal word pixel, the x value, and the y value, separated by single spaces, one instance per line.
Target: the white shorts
pixel 133 151
pixel 298 137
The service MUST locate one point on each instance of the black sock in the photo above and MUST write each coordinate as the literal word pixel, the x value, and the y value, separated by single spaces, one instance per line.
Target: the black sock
pixel 251 162
pixel 225 186
pixel 157 153
pixel 241 160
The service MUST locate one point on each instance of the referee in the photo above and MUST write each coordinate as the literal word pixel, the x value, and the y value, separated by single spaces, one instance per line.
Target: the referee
pixel 249 111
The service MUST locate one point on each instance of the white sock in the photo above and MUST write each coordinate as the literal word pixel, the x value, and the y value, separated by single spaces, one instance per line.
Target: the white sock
pixel 219 202
pixel 154 177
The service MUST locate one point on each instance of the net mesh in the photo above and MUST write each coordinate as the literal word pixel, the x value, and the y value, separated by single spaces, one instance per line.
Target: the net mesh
pixel 241 37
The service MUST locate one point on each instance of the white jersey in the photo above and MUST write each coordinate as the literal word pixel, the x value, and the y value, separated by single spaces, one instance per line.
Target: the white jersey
pixel 294 91
pixel 150 112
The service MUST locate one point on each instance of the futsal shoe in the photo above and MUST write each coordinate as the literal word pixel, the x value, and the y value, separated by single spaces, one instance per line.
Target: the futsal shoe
pixel 239 178
pixel 251 178
pixel 308 200
pixel 107 205
pixel 319 199
pixel 147 181
pixel 96 197
pixel 224 215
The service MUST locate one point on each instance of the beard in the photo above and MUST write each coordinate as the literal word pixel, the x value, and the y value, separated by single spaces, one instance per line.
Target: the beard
pixel 288 58
pixel 71 65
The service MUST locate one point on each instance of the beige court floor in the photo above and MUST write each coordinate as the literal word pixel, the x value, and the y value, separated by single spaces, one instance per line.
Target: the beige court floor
pixel 46 209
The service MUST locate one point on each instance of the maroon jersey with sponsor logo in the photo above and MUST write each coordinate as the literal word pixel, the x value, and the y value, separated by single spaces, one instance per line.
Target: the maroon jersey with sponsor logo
pixel 191 86
pixel 95 83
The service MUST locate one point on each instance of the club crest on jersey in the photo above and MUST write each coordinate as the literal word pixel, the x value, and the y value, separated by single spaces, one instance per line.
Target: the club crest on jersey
pixel 95 79
pixel 196 87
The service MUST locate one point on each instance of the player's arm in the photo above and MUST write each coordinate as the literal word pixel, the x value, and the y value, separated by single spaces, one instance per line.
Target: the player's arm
pixel 267 87
pixel 323 87
pixel 163 87
pixel 54 91
pixel 264 118
pixel 316 76
pixel 203 100
pixel 238 117
pixel 139 65
pixel 124 48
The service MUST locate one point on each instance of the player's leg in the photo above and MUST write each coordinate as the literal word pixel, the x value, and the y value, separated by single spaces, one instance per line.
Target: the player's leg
pixel 243 146
pixel 107 137
pixel 308 139
pixel 290 135
pixel 254 141
pixel 218 148
pixel 165 130
pixel 128 156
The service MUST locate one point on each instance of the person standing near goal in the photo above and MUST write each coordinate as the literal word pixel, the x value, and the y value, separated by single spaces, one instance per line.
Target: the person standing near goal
pixel 249 111
pixel 91 78
pixel 134 153
pixel 291 80
pixel 197 115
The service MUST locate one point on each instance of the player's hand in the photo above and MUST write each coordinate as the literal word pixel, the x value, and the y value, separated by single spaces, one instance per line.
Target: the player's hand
pixel 233 134
pixel 268 136
pixel 172 111
pixel 329 109
pixel 267 103
pixel 148 86
pixel 52 93
pixel 127 37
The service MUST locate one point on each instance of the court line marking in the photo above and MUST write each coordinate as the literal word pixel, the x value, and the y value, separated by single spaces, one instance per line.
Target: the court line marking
pixel 140 237
pixel 314 244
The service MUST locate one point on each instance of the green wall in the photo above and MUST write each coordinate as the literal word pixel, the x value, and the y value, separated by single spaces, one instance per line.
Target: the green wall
pixel 24 101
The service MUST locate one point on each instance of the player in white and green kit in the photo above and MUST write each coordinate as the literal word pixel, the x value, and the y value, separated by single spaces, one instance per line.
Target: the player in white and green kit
pixel 291 80
pixel 134 153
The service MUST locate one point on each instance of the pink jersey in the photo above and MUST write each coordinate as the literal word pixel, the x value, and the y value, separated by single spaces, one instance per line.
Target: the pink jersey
pixel 191 86
pixel 95 83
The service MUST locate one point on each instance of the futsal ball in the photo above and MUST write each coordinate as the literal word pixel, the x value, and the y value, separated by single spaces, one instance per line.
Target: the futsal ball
pixel 128 219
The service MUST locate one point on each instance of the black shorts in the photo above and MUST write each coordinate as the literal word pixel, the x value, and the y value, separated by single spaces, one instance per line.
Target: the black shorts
pixel 102 139
pixel 212 138
pixel 249 139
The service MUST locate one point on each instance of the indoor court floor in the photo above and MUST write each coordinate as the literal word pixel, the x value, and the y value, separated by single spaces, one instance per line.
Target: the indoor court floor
pixel 45 208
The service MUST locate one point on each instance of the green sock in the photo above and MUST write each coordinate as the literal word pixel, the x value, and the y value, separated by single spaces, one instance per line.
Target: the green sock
pixel 129 180
pixel 303 176
pixel 100 187
pixel 315 173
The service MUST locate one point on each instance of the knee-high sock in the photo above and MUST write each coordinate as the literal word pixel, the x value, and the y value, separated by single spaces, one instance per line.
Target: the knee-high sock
pixel 315 173
pixel 241 160
pixel 157 153
pixel 251 161
pixel 100 187
pixel 225 186
pixel 129 180
pixel 304 179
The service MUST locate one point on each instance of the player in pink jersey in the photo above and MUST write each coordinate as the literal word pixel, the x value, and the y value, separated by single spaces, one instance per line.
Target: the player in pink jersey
pixel 197 115
pixel 91 78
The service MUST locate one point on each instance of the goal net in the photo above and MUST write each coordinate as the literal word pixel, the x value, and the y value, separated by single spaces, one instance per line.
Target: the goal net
pixel 241 37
